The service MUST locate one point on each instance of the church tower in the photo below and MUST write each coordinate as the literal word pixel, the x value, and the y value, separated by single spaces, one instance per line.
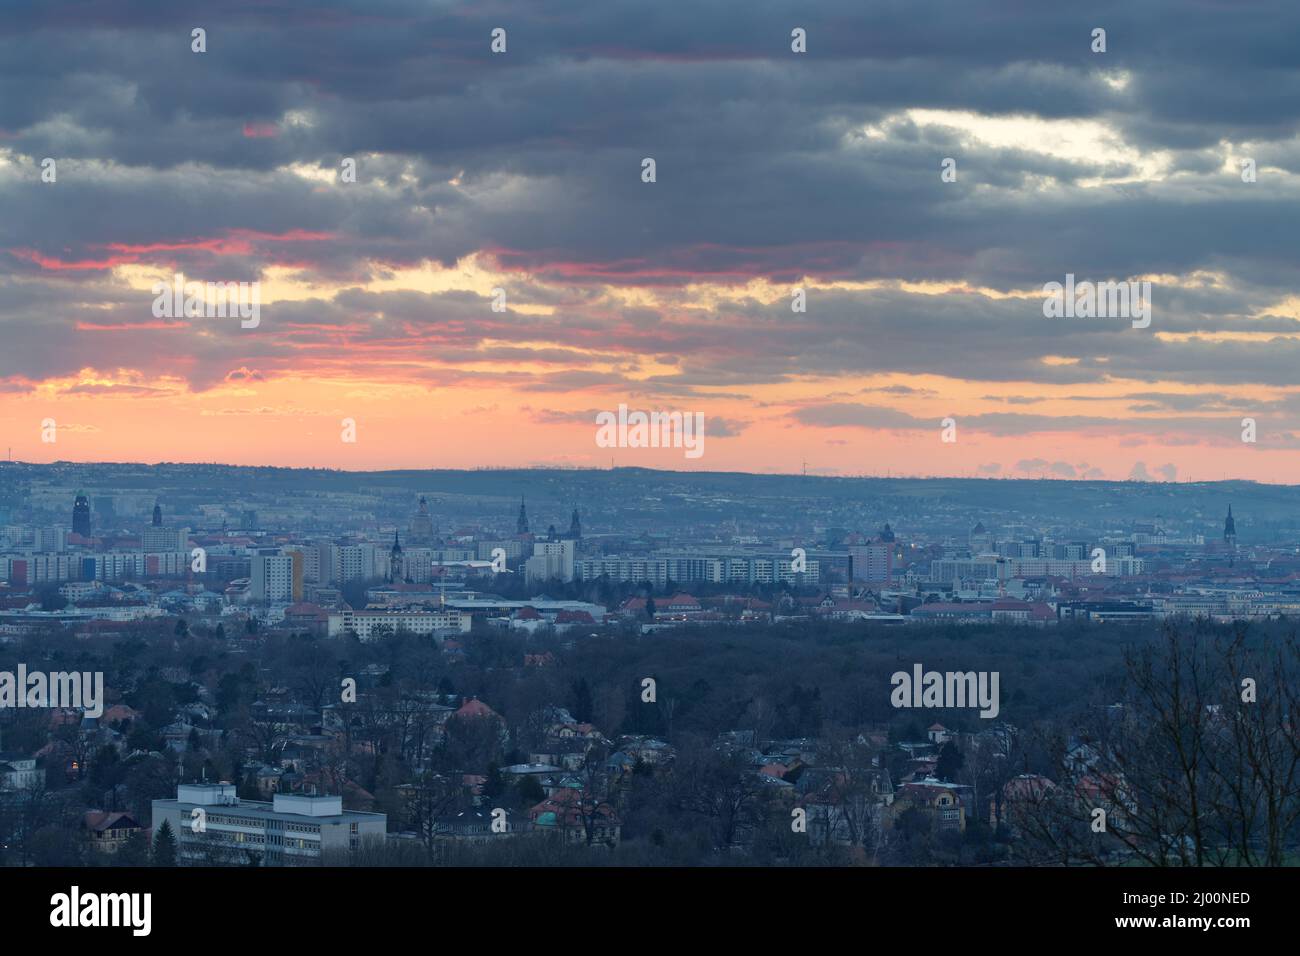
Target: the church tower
pixel 1230 531
pixel 521 526
pixel 395 561
pixel 157 514
pixel 422 523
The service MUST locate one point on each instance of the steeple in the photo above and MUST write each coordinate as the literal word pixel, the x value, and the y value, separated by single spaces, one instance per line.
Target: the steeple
pixel 575 526
pixel 521 526
pixel 1230 529
pixel 395 561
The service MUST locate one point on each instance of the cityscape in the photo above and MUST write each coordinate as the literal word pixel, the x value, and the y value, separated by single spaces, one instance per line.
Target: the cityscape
pixel 428 668
pixel 761 448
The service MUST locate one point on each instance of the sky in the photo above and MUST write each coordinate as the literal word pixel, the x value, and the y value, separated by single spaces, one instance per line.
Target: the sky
pixel 922 348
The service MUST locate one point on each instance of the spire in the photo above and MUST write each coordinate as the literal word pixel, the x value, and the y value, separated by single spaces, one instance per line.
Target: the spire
pixel 395 561
pixel 521 526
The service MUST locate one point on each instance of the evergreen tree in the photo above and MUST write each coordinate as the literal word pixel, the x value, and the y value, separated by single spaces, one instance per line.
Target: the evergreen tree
pixel 530 790
pixel 495 783
pixel 950 762
pixel 582 703
pixel 164 846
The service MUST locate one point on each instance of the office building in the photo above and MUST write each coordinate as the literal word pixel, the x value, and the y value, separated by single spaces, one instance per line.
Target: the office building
pixel 292 830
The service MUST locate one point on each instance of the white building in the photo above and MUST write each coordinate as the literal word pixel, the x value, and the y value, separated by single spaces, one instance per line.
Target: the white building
pixel 551 561
pixel 165 539
pixel 311 561
pixel 18 772
pixel 686 567
pixel 356 562
pixel 293 829
pixel 371 624
pixel 272 578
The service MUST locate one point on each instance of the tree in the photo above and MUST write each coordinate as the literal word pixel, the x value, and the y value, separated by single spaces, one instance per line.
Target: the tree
pixel 581 701
pixel 851 796
pixel 1198 764
pixel 495 784
pixel 530 790
pixel 950 762
pixel 164 846
pixel 134 852
pixel 425 800
pixel 722 790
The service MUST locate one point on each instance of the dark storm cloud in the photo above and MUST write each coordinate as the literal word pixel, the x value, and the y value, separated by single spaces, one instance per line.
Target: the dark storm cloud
pixel 769 164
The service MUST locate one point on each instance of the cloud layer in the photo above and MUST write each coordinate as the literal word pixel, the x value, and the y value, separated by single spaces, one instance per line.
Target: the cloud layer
pixel 521 172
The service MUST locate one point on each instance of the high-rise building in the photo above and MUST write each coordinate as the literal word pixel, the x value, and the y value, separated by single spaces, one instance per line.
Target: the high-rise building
pixel 157 514
pixel 310 558
pixel 872 563
pixel 551 560
pixel 296 576
pixel 352 562
pixel 158 538
pixel 272 578
pixel 50 539
pixel 81 515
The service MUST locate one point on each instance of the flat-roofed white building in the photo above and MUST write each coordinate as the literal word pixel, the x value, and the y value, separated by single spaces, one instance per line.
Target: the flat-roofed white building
pixel 371 624
pixel 292 830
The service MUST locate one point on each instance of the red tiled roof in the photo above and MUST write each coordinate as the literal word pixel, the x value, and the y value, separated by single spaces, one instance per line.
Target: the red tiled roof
pixel 476 708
